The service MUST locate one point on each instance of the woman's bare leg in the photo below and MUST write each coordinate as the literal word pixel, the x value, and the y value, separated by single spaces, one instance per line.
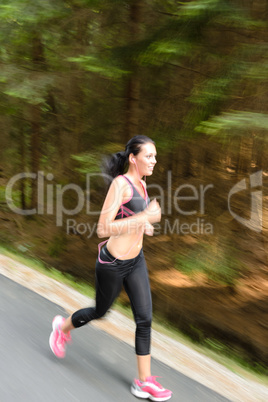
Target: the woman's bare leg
pixel 67 325
pixel 144 367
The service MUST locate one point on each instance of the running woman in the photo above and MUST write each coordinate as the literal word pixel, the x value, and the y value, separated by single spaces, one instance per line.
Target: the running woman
pixel 127 214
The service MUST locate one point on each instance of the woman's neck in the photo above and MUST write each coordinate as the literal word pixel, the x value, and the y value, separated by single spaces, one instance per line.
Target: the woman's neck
pixel 133 175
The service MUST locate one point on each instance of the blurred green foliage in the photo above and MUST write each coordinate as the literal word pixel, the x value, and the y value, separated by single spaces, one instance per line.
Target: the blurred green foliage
pixel 234 123
pixel 57 246
pixel 219 263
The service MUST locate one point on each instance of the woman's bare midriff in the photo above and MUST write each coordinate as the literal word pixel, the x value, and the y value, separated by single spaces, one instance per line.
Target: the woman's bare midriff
pixel 125 246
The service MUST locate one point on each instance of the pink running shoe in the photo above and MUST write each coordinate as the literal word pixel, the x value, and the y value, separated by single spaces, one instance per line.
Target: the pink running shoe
pixel 150 389
pixel 58 339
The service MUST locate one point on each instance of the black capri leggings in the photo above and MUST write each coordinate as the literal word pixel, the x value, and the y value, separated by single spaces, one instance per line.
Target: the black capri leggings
pixel 133 275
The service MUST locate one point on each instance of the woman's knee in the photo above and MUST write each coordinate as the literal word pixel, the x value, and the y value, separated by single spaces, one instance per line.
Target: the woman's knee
pixel 100 313
pixel 143 336
pixel 83 316
pixel 145 320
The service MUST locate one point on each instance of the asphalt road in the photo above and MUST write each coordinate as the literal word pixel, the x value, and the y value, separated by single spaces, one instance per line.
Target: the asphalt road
pixel 97 367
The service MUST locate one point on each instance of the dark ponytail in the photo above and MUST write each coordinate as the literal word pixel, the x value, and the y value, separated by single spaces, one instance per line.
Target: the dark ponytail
pixel 116 164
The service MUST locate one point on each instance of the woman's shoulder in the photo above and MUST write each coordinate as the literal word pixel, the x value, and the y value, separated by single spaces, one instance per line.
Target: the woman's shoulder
pixel 121 186
pixel 120 182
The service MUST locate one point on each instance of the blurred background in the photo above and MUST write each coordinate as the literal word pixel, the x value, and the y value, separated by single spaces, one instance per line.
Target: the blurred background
pixel 78 79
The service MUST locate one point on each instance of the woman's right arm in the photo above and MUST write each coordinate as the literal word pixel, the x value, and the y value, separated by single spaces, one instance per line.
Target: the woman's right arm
pixel 108 226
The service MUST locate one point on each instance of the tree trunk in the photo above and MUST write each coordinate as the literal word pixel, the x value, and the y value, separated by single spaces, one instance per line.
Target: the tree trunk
pixel 35 148
pixel 77 95
pixel 22 182
pixel 132 106
pixel 133 84
pixel 35 113
pixel 245 154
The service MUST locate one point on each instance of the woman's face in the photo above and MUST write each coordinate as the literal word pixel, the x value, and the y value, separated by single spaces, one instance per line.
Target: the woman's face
pixel 145 159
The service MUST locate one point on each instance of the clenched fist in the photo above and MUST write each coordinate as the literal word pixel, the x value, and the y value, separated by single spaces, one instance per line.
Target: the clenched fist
pixel 153 212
